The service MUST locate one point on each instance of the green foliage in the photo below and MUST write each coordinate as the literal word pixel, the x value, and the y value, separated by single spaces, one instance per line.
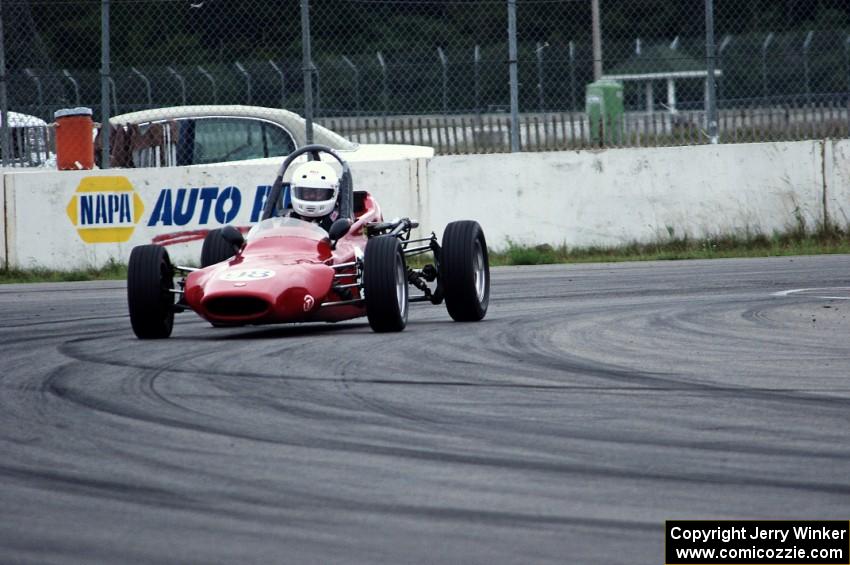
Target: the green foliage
pixel 538 255
pixel 110 271
pixel 177 33
pixel 795 241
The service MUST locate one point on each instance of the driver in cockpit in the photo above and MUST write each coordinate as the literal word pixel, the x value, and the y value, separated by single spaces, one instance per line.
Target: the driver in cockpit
pixel 314 192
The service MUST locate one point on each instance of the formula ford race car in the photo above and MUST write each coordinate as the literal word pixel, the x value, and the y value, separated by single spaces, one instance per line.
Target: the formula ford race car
pixel 290 270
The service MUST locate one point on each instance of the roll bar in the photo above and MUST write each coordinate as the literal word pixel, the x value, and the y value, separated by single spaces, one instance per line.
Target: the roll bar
pixel 346 188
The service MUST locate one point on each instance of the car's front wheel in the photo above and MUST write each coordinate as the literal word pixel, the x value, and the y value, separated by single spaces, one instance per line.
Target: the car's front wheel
pixel 385 284
pixel 465 271
pixel 150 278
pixel 215 249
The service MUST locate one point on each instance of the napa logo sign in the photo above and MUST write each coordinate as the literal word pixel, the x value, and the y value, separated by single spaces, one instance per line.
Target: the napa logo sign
pixel 105 209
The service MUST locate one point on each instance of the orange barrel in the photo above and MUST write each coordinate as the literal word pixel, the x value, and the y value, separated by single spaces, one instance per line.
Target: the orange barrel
pixel 74 139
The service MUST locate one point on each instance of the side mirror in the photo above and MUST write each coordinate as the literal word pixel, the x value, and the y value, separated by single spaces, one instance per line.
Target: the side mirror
pixel 234 237
pixel 338 229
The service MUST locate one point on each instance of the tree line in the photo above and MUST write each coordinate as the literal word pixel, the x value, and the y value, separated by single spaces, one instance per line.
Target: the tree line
pixel 63 34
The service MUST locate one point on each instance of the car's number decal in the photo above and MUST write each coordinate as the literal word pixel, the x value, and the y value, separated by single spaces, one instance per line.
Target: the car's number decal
pixel 247 275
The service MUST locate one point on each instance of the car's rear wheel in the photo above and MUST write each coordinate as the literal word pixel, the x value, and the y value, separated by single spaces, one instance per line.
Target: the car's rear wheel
pixel 215 249
pixel 465 271
pixel 150 278
pixel 385 284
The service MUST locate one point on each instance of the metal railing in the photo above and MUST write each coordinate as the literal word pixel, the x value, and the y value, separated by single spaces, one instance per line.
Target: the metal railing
pixel 545 131
pixel 558 131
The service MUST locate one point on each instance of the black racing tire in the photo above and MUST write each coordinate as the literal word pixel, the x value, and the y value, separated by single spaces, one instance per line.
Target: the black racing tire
pixel 215 249
pixel 465 271
pixel 150 278
pixel 385 284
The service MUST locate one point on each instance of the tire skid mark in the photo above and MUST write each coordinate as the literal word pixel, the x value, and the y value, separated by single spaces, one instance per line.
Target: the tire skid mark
pixel 86 486
pixel 12 327
pixel 57 383
pixel 47 337
pixel 348 432
pixel 54 385
pixel 64 391
pixel 554 359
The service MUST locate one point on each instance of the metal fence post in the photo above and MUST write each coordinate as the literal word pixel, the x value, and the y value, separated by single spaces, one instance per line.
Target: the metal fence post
pixel 182 82
pixel 318 97
pixel 38 89
pixel 145 80
pixel 5 130
pixel 711 83
pixel 727 39
pixel 76 86
pixel 104 84
pixel 307 69
pixel 113 90
pixel 248 87
pixel 444 62
pixel 806 45
pixel 764 46
pixel 539 52
pixel 513 75
pixel 279 72
pixel 596 32
pixel 476 58
pixel 574 105
pixel 384 92
pixel 356 72
pixel 847 60
pixel 210 78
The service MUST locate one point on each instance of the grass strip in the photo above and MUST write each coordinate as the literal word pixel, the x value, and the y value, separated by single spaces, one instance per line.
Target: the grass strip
pixel 796 242
pixel 111 271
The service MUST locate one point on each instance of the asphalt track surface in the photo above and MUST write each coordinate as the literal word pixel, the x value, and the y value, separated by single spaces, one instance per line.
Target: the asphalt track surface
pixel 593 403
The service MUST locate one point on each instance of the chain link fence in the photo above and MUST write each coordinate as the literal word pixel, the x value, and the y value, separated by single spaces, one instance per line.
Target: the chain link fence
pixel 417 71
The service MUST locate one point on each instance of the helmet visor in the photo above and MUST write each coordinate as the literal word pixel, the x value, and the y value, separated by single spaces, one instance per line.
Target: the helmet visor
pixel 310 194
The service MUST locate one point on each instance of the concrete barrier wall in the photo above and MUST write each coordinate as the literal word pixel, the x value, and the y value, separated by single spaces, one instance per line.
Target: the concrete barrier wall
pixel 77 219
pixel 617 196
pixel 836 159
pixel 3 246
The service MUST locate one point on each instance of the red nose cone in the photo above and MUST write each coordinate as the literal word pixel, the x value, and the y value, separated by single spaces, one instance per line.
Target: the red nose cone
pixel 271 293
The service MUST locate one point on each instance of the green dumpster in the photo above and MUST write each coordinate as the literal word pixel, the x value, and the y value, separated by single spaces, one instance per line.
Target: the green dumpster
pixel 604 103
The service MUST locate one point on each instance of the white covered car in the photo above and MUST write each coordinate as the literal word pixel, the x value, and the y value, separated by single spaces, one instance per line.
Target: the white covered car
pixel 205 135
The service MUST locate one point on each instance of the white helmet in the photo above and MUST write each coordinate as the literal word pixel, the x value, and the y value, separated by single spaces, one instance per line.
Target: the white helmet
pixel 315 186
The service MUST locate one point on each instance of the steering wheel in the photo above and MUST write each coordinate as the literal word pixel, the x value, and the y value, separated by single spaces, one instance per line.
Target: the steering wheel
pixel 346 189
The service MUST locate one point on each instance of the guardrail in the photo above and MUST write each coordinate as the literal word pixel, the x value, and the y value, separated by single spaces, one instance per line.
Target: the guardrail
pixel 558 131
pixel 34 146
pixel 71 219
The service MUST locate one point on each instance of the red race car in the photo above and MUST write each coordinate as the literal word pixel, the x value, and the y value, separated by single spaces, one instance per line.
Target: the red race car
pixel 290 270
